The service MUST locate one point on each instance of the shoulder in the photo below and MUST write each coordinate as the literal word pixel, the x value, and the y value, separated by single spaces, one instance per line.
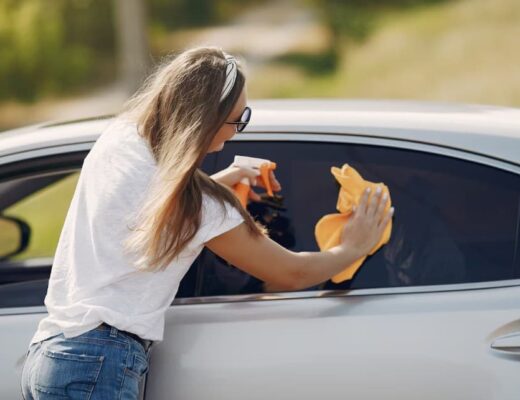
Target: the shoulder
pixel 119 164
pixel 121 145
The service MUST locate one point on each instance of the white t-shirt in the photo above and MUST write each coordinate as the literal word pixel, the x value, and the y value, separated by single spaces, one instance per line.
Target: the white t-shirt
pixel 92 279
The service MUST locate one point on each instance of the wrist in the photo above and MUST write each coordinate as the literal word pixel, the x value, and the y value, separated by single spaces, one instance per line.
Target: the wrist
pixel 348 252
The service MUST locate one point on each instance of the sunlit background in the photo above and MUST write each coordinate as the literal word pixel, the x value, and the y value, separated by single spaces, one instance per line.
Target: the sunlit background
pixel 67 59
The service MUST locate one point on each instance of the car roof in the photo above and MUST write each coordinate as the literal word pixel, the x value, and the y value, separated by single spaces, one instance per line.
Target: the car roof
pixel 482 129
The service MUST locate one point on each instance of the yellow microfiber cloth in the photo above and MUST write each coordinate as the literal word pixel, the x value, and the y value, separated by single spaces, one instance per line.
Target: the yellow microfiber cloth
pixel 328 229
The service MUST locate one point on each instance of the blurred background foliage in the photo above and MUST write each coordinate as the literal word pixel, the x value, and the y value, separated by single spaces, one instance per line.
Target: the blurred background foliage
pixel 194 13
pixel 59 45
pixel 347 22
pixel 355 19
pixel 455 50
pixel 54 46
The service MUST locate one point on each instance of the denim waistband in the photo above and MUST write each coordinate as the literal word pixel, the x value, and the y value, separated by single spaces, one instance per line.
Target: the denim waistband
pixel 113 330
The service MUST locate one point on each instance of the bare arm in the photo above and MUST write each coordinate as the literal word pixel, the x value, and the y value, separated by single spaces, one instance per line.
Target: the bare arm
pixel 284 269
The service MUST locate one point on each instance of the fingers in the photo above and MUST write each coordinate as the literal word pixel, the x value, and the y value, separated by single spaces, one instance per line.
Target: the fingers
pixel 274 182
pixel 363 203
pixel 251 174
pixel 254 196
pixel 374 202
pixel 386 219
pixel 368 204
pixel 381 206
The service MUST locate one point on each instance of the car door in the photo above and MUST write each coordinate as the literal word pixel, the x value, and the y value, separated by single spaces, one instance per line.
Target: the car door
pixel 36 188
pixel 433 314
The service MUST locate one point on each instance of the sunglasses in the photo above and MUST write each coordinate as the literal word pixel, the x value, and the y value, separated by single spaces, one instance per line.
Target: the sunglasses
pixel 242 121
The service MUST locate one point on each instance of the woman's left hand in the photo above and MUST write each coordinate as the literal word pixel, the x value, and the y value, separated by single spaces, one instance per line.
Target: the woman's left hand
pixel 234 174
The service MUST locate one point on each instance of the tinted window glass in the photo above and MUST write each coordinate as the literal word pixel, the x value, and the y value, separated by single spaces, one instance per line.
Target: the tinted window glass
pixel 455 221
pixel 43 207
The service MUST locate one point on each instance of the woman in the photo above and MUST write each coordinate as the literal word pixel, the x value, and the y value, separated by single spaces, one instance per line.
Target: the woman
pixel 141 213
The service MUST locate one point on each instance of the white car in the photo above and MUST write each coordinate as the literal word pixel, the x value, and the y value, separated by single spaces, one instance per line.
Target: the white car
pixel 434 314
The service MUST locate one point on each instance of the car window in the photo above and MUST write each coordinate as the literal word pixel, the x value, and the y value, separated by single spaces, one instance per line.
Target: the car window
pixel 43 209
pixel 41 200
pixel 455 221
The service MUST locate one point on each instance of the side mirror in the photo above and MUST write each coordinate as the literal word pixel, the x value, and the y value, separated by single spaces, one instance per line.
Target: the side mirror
pixel 14 236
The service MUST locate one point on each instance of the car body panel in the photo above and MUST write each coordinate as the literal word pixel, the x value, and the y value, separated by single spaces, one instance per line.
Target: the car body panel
pixel 399 342
pixel 432 342
pixel 406 346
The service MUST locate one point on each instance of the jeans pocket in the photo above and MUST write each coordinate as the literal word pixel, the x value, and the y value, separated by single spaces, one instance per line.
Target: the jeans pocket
pixel 134 376
pixel 138 367
pixel 67 374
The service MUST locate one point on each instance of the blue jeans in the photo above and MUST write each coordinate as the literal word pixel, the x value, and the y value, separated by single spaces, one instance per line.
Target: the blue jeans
pixel 100 364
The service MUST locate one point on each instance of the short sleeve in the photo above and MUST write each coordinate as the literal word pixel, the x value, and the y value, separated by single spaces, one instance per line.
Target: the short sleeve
pixel 217 218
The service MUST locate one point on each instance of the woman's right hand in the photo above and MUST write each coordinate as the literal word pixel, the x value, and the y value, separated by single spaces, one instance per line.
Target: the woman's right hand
pixel 365 227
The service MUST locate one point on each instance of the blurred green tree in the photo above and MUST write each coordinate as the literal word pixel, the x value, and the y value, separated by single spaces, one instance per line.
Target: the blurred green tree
pixel 174 14
pixel 54 46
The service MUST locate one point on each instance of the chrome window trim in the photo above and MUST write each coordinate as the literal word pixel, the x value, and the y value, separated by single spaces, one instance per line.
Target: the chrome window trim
pixel 45 152
pixel 407 135
pixel 305 137
pixel 375 141
pixel 348 293
pixel 23 310
pixel 303 295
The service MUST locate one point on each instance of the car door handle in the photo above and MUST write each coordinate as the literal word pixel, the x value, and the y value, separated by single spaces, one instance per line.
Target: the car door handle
pixel 509 343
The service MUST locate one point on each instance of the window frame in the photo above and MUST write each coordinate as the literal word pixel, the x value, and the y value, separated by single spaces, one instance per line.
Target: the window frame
pixel 31 163
pixel 43 163
pixel 7 163
pixel 357 139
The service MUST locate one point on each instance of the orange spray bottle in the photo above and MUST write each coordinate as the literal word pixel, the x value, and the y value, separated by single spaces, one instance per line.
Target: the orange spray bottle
pixel 264 167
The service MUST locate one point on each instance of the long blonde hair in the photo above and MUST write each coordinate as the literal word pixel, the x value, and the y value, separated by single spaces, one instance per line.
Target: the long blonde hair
pixel 178 111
